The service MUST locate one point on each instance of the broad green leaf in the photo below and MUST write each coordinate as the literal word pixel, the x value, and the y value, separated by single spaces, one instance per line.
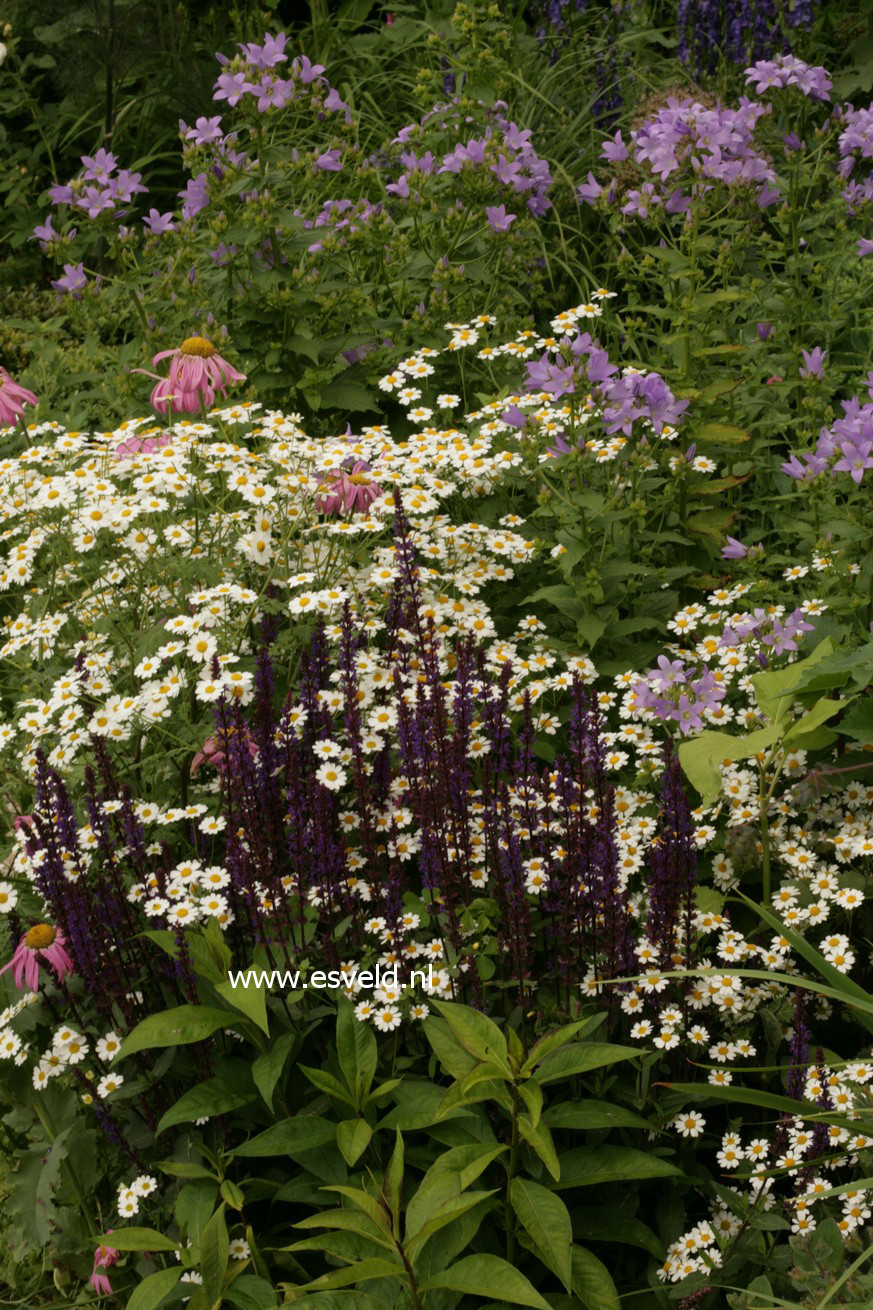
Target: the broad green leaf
pixel 546 1220
pixel 418 1105
pixel 214 1255
pixel 179 1027
pixel 539 1139
pixel 356 1051
pixel 216 1096
pixel 347 1220
pixel 360 1272
pixel 580 1058
pixel 593 1114
pixel 469 1089
pixel 232 1193
pixel 302 1133
pixel 185 1169
pixel 773 687
pixel 702 756
pixel 599 1223
pixel 592 1282
pixel 449 1175
pixel 325 1082
pixel 585 1167
pixel 250 1001
pixel 489 1276
pixel 353 1138
pixel 151 1291
pixel 532 1095
pixel 138 1239
pixel 249 1292
pixel 194 1207
pixel 560 1037
pixel 479 1035
pixel 448 1050
pixel 371 1206
pixel 267 1068
pixel 803 727
pixel 445 1214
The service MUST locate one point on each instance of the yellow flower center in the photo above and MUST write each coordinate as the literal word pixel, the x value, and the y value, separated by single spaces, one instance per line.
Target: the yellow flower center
pixel 198 346
pixel 361 479
pixel 40 936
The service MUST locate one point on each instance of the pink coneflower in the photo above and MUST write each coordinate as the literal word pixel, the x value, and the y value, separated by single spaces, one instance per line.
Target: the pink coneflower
pixel 104 1258
pixel 142 445
pixel 197 372
pixel 44 941
pixel 13 398
pixel 347 490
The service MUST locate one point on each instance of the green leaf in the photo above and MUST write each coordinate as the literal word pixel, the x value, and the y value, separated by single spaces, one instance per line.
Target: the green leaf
pixel 720 434
pixel 773 687
pixel 702 756
pixel 554 1040
pixel 592 1282
pixel 393 1189
pixel 325 1082
pixel 600 1223
pixel 532 1095
pixel 487 1275
pixel 584 1167
pixel 267 1068
pixel 356 1051
pixel 250 1001
pixel 216 1096
pixel 547 1222
pixel 138 1239
pixel 353 1137
pixel 710 523
pixel 149 1294
pixel 302 1133
pixel 800 730
pixel 348 395
pixel 349 1220
pixel 185 1169
pixel 179 1027
pixel 449 1175
pixel 448 1050
pixel 360 1272
pixel 582 1057
pixel 443 1215
pixel 214 1255
pixel 31 1198
pixel 593 1114
pixel 249 1292
pixel 479 1035
pixel 539 1139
